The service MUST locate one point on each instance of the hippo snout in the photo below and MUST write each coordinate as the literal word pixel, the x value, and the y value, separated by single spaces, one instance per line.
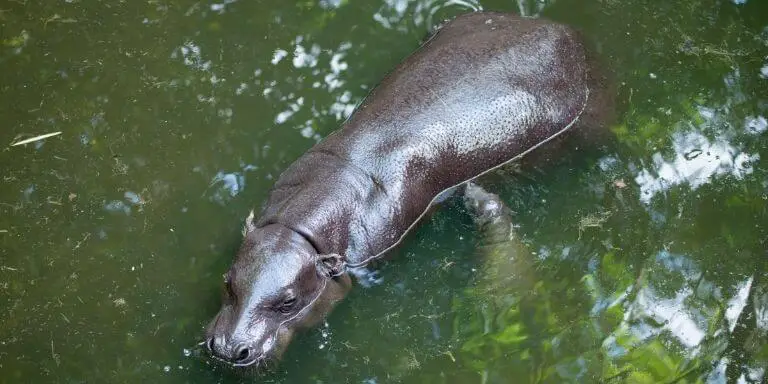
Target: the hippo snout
pixel 238 354
pixel 241 342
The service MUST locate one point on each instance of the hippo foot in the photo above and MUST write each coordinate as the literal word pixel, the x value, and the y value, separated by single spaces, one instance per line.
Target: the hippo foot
pixel 486 207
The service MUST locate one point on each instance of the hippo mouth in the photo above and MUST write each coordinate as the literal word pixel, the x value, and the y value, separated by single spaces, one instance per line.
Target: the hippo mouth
pixel 243 358
pixel 258 363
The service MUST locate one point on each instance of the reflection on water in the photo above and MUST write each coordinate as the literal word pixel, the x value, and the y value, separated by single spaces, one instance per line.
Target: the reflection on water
pixel 705 146
pixel 696 160
pixel 176 119
pixel 429 13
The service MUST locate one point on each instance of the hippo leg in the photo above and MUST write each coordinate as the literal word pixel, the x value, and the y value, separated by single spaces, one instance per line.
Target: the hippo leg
pixel 491 215
pixel 367 276
pixel 508 263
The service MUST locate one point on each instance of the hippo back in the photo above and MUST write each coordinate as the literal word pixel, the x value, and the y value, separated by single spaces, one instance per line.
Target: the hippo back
pixel 486 89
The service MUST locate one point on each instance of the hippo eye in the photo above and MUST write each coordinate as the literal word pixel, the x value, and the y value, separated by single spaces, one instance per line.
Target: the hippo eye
pixel 228 286
pixel 287 305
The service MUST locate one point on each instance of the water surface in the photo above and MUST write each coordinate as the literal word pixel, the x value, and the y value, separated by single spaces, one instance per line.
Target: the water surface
pixel 641 262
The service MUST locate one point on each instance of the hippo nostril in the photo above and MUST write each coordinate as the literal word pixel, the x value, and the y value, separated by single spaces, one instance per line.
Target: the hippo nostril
pixel 209 344
pixel 242 353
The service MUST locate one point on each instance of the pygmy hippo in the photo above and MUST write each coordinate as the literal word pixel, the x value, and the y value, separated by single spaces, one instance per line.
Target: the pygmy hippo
pixel 485 89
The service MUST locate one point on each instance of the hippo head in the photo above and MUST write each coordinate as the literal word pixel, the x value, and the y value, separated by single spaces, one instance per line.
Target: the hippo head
pixel 277 285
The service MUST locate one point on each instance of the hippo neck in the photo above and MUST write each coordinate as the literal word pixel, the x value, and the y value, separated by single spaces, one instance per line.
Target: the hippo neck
pixel 296 236
pixel 315 198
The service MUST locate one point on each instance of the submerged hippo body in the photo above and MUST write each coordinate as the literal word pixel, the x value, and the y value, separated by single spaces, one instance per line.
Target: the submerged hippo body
pixel 486 89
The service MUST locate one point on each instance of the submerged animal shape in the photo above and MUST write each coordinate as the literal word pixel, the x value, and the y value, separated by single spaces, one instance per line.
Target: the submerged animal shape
pixel 486 89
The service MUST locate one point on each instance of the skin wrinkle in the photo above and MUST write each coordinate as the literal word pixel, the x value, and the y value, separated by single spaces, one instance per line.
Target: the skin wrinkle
pixel 352 165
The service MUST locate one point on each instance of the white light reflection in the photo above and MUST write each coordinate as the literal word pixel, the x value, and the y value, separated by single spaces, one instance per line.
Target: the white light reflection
pixel 221 7
pixel 697 159
pixel 717 375
pixel 671 312
pixel 337 67
pixel 342 108
pixel 737 303
pixel 192 57
pixel 756 125
pixel 532 8
pixel 390 15
pixel 329 4
pixel 391 12
pixel 310 56
pixel 278 55
pixel 762 311
pixel 226 186
pixel 191 54
pixel 294 107
pixel 303 57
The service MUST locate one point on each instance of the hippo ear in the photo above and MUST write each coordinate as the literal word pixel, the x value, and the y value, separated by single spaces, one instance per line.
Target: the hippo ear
pixel 332 265
pixel 249 224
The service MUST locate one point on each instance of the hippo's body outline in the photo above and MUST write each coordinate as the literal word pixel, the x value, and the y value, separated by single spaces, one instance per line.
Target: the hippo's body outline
pixel 535 82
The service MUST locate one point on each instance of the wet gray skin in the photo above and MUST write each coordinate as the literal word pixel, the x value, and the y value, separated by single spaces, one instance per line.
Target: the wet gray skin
pixel 486 89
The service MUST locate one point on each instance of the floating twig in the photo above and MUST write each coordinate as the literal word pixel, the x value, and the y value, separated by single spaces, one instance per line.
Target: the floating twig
pixel 36 138
pixel 55 355
pixel 81 242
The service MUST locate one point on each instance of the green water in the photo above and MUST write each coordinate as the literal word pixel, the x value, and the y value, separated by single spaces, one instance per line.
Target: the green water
pixel 647 259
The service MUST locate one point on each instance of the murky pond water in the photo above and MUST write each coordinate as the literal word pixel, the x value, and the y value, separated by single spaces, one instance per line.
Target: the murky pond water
pixel 642 262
